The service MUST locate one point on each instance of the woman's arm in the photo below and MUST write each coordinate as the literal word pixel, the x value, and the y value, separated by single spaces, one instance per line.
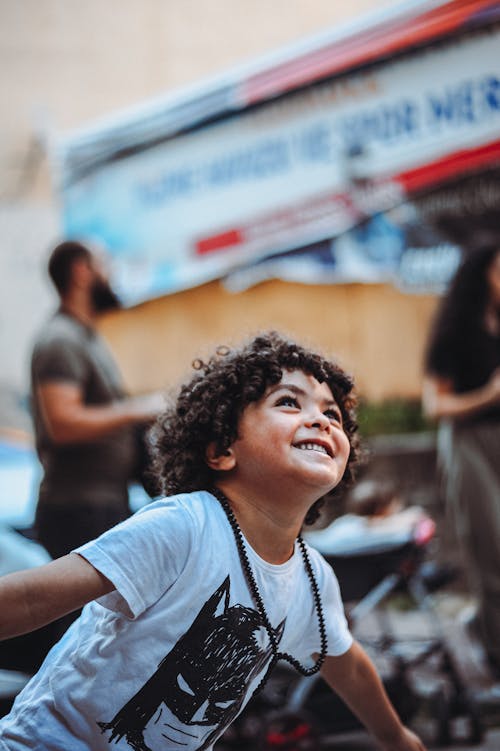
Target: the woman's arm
pixel 354 678
pixel 32 598
pixel 439 399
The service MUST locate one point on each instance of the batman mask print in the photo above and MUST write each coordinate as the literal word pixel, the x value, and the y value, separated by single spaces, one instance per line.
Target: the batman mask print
pixel 201 684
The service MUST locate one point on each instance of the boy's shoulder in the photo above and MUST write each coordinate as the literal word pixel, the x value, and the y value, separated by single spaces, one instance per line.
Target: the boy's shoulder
pixel 198 505
pixel 171 522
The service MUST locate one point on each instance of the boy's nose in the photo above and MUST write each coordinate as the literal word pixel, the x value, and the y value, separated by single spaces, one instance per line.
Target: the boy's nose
pixel 318 420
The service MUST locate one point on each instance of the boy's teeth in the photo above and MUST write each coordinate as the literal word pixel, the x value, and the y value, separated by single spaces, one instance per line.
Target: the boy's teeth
pixel 313 447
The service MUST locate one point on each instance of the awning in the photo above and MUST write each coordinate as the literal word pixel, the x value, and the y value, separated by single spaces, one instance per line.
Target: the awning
pixel 291 150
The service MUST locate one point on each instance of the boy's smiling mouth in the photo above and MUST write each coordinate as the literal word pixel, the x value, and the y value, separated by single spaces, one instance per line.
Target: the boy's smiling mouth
pixel 318 446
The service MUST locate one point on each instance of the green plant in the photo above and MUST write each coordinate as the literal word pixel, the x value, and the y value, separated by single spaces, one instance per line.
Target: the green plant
pixel 391 416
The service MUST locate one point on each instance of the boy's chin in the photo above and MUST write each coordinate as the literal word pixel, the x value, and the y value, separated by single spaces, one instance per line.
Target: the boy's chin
pixel 321 489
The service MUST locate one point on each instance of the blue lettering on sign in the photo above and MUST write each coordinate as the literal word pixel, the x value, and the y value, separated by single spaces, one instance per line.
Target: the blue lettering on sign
pixel 314 143
pixel 467 102
pixel 167 187
pixel 268 158
pixel 454 105
pixel 386 122
pixel 490 88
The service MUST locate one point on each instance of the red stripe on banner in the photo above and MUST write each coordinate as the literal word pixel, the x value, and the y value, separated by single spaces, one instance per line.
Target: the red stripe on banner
pixel 219 242
pixel 348 206
pixel 318 208
pixel 367 46
pixel 441 170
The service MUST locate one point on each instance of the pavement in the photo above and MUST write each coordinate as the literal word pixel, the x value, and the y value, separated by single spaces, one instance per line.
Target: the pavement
pixel 359 741
pixel 446 622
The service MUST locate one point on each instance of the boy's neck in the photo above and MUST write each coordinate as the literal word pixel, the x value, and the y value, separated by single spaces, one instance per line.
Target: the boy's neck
pixel 269 527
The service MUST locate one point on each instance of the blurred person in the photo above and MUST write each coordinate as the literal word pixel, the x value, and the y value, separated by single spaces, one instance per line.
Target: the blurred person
pixel 86 429
pixel 462 390
pixel 375 515
pixel 374 498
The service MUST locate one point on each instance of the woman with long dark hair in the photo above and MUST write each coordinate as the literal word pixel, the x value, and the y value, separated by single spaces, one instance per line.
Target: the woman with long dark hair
pixel 462 390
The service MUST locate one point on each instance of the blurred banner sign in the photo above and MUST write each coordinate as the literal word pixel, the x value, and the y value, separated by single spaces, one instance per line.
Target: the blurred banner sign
pixel 303 168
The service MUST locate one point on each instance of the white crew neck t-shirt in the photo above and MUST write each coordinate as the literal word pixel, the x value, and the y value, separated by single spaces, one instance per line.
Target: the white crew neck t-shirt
pixel 168 659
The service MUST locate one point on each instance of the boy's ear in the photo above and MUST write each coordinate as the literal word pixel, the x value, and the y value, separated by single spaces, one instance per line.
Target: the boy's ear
pixel 219 462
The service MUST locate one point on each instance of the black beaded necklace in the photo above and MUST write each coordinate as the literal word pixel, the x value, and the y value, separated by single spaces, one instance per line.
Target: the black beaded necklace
pixel 257 598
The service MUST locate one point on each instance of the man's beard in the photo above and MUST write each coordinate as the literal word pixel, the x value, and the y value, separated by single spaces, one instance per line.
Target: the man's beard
pixel 103 297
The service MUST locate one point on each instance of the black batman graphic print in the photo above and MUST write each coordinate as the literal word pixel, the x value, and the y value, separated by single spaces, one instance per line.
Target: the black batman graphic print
pixel 202 681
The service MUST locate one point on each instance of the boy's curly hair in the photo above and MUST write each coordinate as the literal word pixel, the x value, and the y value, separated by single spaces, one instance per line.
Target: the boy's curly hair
pixel 209 407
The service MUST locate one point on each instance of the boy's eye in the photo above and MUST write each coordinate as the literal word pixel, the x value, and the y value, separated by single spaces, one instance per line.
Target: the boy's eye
pixel 334 414
pixel 287 401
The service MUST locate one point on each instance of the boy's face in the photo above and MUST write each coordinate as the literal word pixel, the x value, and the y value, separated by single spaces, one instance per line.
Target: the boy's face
pixel 293 433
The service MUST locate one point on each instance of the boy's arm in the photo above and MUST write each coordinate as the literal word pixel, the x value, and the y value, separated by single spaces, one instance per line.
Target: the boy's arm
pixel 32 598
pixel 354 678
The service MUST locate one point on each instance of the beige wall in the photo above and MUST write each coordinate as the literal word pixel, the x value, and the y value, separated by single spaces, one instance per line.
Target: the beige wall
pixel 376 332
pixel 66 62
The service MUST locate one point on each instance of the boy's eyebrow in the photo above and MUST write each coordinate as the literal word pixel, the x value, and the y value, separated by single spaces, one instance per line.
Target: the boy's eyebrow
pixel 286 387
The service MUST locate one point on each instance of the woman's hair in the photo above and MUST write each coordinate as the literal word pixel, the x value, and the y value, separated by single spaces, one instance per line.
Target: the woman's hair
pixel 460 313
pixel 209 407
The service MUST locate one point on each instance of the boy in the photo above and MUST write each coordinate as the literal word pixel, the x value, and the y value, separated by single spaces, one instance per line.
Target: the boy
pixel 196 597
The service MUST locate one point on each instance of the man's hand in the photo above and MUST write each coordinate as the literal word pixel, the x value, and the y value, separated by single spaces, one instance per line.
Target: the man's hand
pixel 146 407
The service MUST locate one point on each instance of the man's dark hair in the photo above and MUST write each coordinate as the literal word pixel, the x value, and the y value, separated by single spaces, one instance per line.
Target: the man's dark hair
pixel 210 405
pixel 61 262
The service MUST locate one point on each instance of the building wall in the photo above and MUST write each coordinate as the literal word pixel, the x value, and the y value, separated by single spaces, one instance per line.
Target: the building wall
pixel 376 332
pixel 65 63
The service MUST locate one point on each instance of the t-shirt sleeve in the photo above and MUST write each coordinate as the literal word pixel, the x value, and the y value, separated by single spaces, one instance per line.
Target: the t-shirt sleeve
pixel 59 360
pixel 144 555
pixel 337 632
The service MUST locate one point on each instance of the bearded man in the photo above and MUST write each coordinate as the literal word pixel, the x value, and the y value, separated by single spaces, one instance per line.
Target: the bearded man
pixel 85 425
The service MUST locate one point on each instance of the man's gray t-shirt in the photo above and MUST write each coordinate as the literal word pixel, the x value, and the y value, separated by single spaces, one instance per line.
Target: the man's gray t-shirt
pixel 85 474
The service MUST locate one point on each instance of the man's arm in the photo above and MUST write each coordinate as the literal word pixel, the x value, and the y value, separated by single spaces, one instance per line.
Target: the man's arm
pixel 32 598
pixel 354 678
pixel 70 420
